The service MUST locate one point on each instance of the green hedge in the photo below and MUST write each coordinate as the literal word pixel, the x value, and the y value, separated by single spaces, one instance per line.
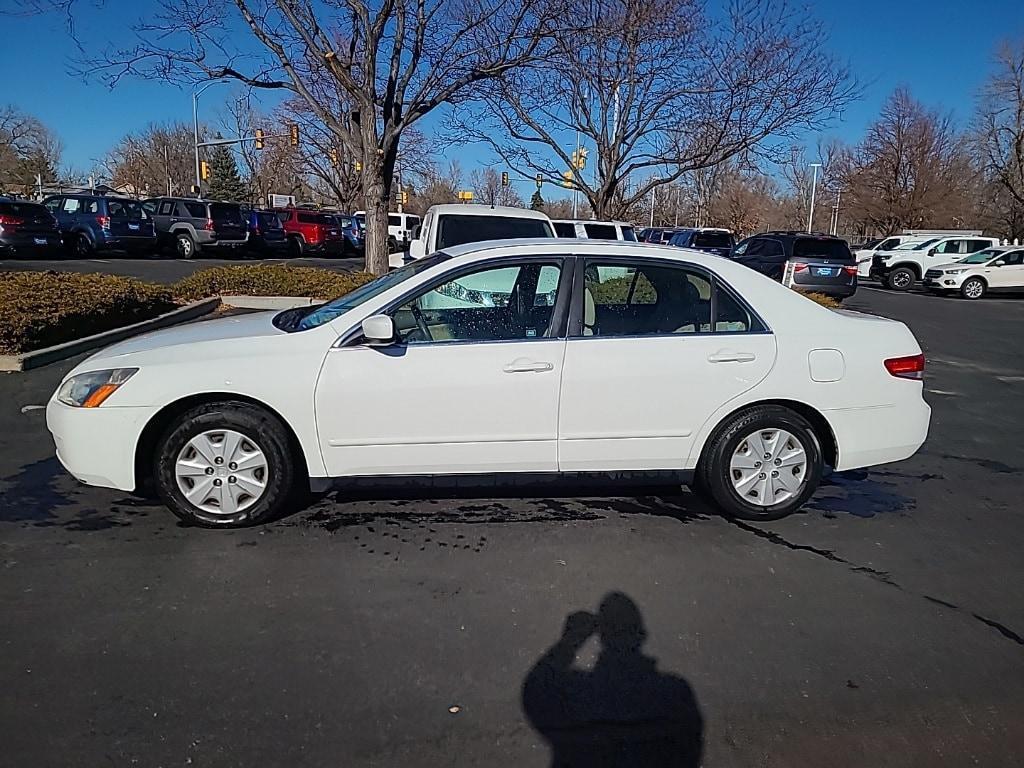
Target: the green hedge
pixel 268 280
pixel 39 309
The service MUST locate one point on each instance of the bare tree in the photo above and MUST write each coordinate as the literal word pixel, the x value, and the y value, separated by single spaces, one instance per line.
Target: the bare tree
pixel 999 122
pixel 27 148
pixel 912 169
pixel 396 61
pixel 659 88
pixel 156 160
pixel 487 189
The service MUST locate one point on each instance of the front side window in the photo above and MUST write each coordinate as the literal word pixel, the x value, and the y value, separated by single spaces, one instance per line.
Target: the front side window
pixel 167 208
pixel 1014 259
pixel 506 303
pixel 628 234
pixel 951 246
pixel 888 244
pixel 657 299
pixel 53 204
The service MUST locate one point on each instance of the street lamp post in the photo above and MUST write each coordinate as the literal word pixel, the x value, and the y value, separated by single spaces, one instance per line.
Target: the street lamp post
pixel 195 127
pixel 814 189
pixel 655 179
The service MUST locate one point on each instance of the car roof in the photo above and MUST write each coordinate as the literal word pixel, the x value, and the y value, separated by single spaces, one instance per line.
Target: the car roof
pixel 488 210
pixel 568 246
pixel 591 221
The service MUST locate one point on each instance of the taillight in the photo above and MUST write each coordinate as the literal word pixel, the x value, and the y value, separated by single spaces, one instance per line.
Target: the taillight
pixel 104 222
pixel 10 223
pixel 850 271
pixel 209 225
pixel 799 267
pixel 314 234
pixel 906 367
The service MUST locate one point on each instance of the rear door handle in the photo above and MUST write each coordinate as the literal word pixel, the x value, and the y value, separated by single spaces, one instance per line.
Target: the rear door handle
pixel 522 365
pixel 727 356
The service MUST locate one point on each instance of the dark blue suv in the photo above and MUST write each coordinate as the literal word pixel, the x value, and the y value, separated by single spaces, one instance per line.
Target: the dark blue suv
pixel 710 240
pixel 95 223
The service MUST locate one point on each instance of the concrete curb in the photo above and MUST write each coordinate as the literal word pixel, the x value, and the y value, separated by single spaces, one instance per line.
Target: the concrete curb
pixel 268 302
pixel 41 357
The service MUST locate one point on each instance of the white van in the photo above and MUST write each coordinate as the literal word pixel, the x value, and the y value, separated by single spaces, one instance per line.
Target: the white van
pixel 400 225
pixel 594 230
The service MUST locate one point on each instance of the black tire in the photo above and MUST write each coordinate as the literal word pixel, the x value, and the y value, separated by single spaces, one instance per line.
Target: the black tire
pixel 294 248
pixel 82 247
pixel 184 246
pixel 976 289
pixel 901 279
pixel 714 473
pixel 260 428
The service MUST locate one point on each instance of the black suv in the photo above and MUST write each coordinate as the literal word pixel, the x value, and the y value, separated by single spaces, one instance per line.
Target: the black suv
pixel 708 239
pixel 820 263
pixel 190 226
pixel 27 229
pixel 92 223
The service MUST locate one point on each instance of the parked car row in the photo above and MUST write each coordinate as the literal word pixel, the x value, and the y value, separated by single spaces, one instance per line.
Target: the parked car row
pixel 83 225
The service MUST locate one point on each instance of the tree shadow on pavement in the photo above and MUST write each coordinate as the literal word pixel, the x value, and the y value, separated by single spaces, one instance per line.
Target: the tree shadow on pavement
pixel 624 711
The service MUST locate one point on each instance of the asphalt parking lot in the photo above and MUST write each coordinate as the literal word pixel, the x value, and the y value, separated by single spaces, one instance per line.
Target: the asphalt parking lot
pixel 883 626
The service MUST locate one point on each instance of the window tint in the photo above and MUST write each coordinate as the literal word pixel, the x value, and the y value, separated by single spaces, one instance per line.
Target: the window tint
pixel 645 300
pixel 564 229
pixel 628 234
pixel 456 229
pixel 90 206
pixel 743 248
pixel 950 246
pixel 1014 258
pixel 24 210
pixel 888 244
pixel 284 216
pixel 225 212
pixel 267 220
pixel 53 205
pixel 310 218
pixel 712 240
pixel 72 205
pixel 196 210
pixel 126 209
pixel 412 221
pixel 167 208
pixel 601 231
pixel 977 245
pixel 770 249
pixel 823 248
pixel 394 221
pixel 492 304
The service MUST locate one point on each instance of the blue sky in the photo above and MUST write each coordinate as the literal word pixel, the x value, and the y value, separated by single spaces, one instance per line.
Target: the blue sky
pixel 940 49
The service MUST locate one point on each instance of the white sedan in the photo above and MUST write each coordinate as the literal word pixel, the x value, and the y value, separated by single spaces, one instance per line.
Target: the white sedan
pixel 514 359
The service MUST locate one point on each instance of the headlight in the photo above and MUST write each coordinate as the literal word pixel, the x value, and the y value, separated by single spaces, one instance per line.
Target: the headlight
pixel 90 390
pixel 955 271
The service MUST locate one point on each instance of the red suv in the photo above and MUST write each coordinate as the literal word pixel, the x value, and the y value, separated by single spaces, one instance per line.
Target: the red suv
pixel 311 233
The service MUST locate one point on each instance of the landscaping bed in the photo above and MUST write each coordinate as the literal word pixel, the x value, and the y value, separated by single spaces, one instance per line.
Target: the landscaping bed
pixel 42 309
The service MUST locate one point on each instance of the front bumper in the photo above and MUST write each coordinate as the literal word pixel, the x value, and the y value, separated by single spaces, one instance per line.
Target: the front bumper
pixel 97 445
pixel 940 281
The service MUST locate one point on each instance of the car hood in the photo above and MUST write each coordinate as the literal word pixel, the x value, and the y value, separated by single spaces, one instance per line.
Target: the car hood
pixel 957 265
pixel 237 327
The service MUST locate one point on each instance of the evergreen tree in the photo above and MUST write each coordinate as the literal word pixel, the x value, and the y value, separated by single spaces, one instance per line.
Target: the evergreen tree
pixel 537 201
pixel 225 183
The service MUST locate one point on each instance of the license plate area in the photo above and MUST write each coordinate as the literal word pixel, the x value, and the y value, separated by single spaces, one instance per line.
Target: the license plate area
pixel 40 240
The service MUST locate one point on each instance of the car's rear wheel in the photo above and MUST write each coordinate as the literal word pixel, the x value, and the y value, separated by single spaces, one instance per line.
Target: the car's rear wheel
pixel 973 288
pixel 185 246
pixel 901 279
pixel 225 465
pixel 294 247
pixel 762 464
pixel 82 247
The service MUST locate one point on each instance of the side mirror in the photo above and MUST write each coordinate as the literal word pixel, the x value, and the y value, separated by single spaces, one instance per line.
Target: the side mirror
pixel 417 249
pixel 998 263
pixel 379 330
pixel 932 251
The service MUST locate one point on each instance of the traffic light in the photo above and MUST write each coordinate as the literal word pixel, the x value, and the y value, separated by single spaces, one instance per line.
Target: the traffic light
pixel 293 135
pixel 579 158
pixel 465 195
pixel 405 198
pixel 567 179
pixel 358 166
pixel 504 178
pixel 398 197
pixel 204 170
pixel 540 180
pixel 259 138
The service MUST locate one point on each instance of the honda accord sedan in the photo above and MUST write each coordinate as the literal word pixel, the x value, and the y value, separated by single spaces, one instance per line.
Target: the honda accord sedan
pixel 502 360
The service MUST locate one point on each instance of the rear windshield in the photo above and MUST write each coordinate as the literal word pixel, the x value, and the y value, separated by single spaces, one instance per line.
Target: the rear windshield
pixel 25 210
pixel 225 212
pixel 712 240
pixel 456 229
pixel 268 220
pixel 805 247
pixel 126 209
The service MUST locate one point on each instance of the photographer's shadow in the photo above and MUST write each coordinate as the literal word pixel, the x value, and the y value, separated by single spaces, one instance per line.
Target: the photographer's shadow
pixel 623 712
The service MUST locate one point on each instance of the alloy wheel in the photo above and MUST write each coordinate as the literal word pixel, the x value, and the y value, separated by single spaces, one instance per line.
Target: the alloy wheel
pixel 221 473
pixel 768 467
pixel 973 289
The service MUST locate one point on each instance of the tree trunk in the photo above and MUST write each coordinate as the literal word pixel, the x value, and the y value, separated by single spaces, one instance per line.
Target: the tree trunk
pixel 378 173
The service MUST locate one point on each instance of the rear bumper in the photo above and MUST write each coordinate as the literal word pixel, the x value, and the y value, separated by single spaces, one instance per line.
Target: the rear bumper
pixel 97 445
pixel 878 435
pixel 838 290
pixel 26 245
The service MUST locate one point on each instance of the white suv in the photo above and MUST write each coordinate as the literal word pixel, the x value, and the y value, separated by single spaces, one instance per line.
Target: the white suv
pixel 994 269
pixel 899 269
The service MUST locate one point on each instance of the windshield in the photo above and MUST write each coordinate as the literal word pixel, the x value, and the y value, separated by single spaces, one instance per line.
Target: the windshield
pixel 981 257
pixel 313 317
pixel 457 229
pixel 922 246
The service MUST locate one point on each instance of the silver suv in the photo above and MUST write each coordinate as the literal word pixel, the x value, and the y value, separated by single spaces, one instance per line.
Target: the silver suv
pixel 190 226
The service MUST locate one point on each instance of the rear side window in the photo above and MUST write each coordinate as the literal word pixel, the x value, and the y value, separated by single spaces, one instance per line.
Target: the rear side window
pixel 196 210
pixel 601 231
pixel 24 210
pixel 267 220
pixel 126 209
pixel 166 207
pixel 628 234
pixel 284 216
pixel 394 221
pixel 977 245
pixel 822 248
pixel 564 229
pixel 456 229
pixel 309 218
pixel 712 240
pixel 225 212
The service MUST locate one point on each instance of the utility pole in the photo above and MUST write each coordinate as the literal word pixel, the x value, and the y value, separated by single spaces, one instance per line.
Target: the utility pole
pixel 576 187
pixel 653 190
pixel 814 189
pixel 195 127
pixel 835 212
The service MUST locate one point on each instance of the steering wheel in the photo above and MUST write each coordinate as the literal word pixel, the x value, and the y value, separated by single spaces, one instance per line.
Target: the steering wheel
pixel 421 322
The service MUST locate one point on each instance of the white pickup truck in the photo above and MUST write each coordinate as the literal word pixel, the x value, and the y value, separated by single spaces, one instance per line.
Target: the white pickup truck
pixel 901 268
pixel 454 224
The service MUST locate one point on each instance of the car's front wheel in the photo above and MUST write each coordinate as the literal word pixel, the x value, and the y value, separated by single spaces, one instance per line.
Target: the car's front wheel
pixel 185 246
pixel 763 464
pixel 225 465
pixel 973 288
pixel 901 279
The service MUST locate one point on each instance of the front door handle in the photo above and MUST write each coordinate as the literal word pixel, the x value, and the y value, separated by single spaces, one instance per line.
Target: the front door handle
pixel 522 365
pixel 728 356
